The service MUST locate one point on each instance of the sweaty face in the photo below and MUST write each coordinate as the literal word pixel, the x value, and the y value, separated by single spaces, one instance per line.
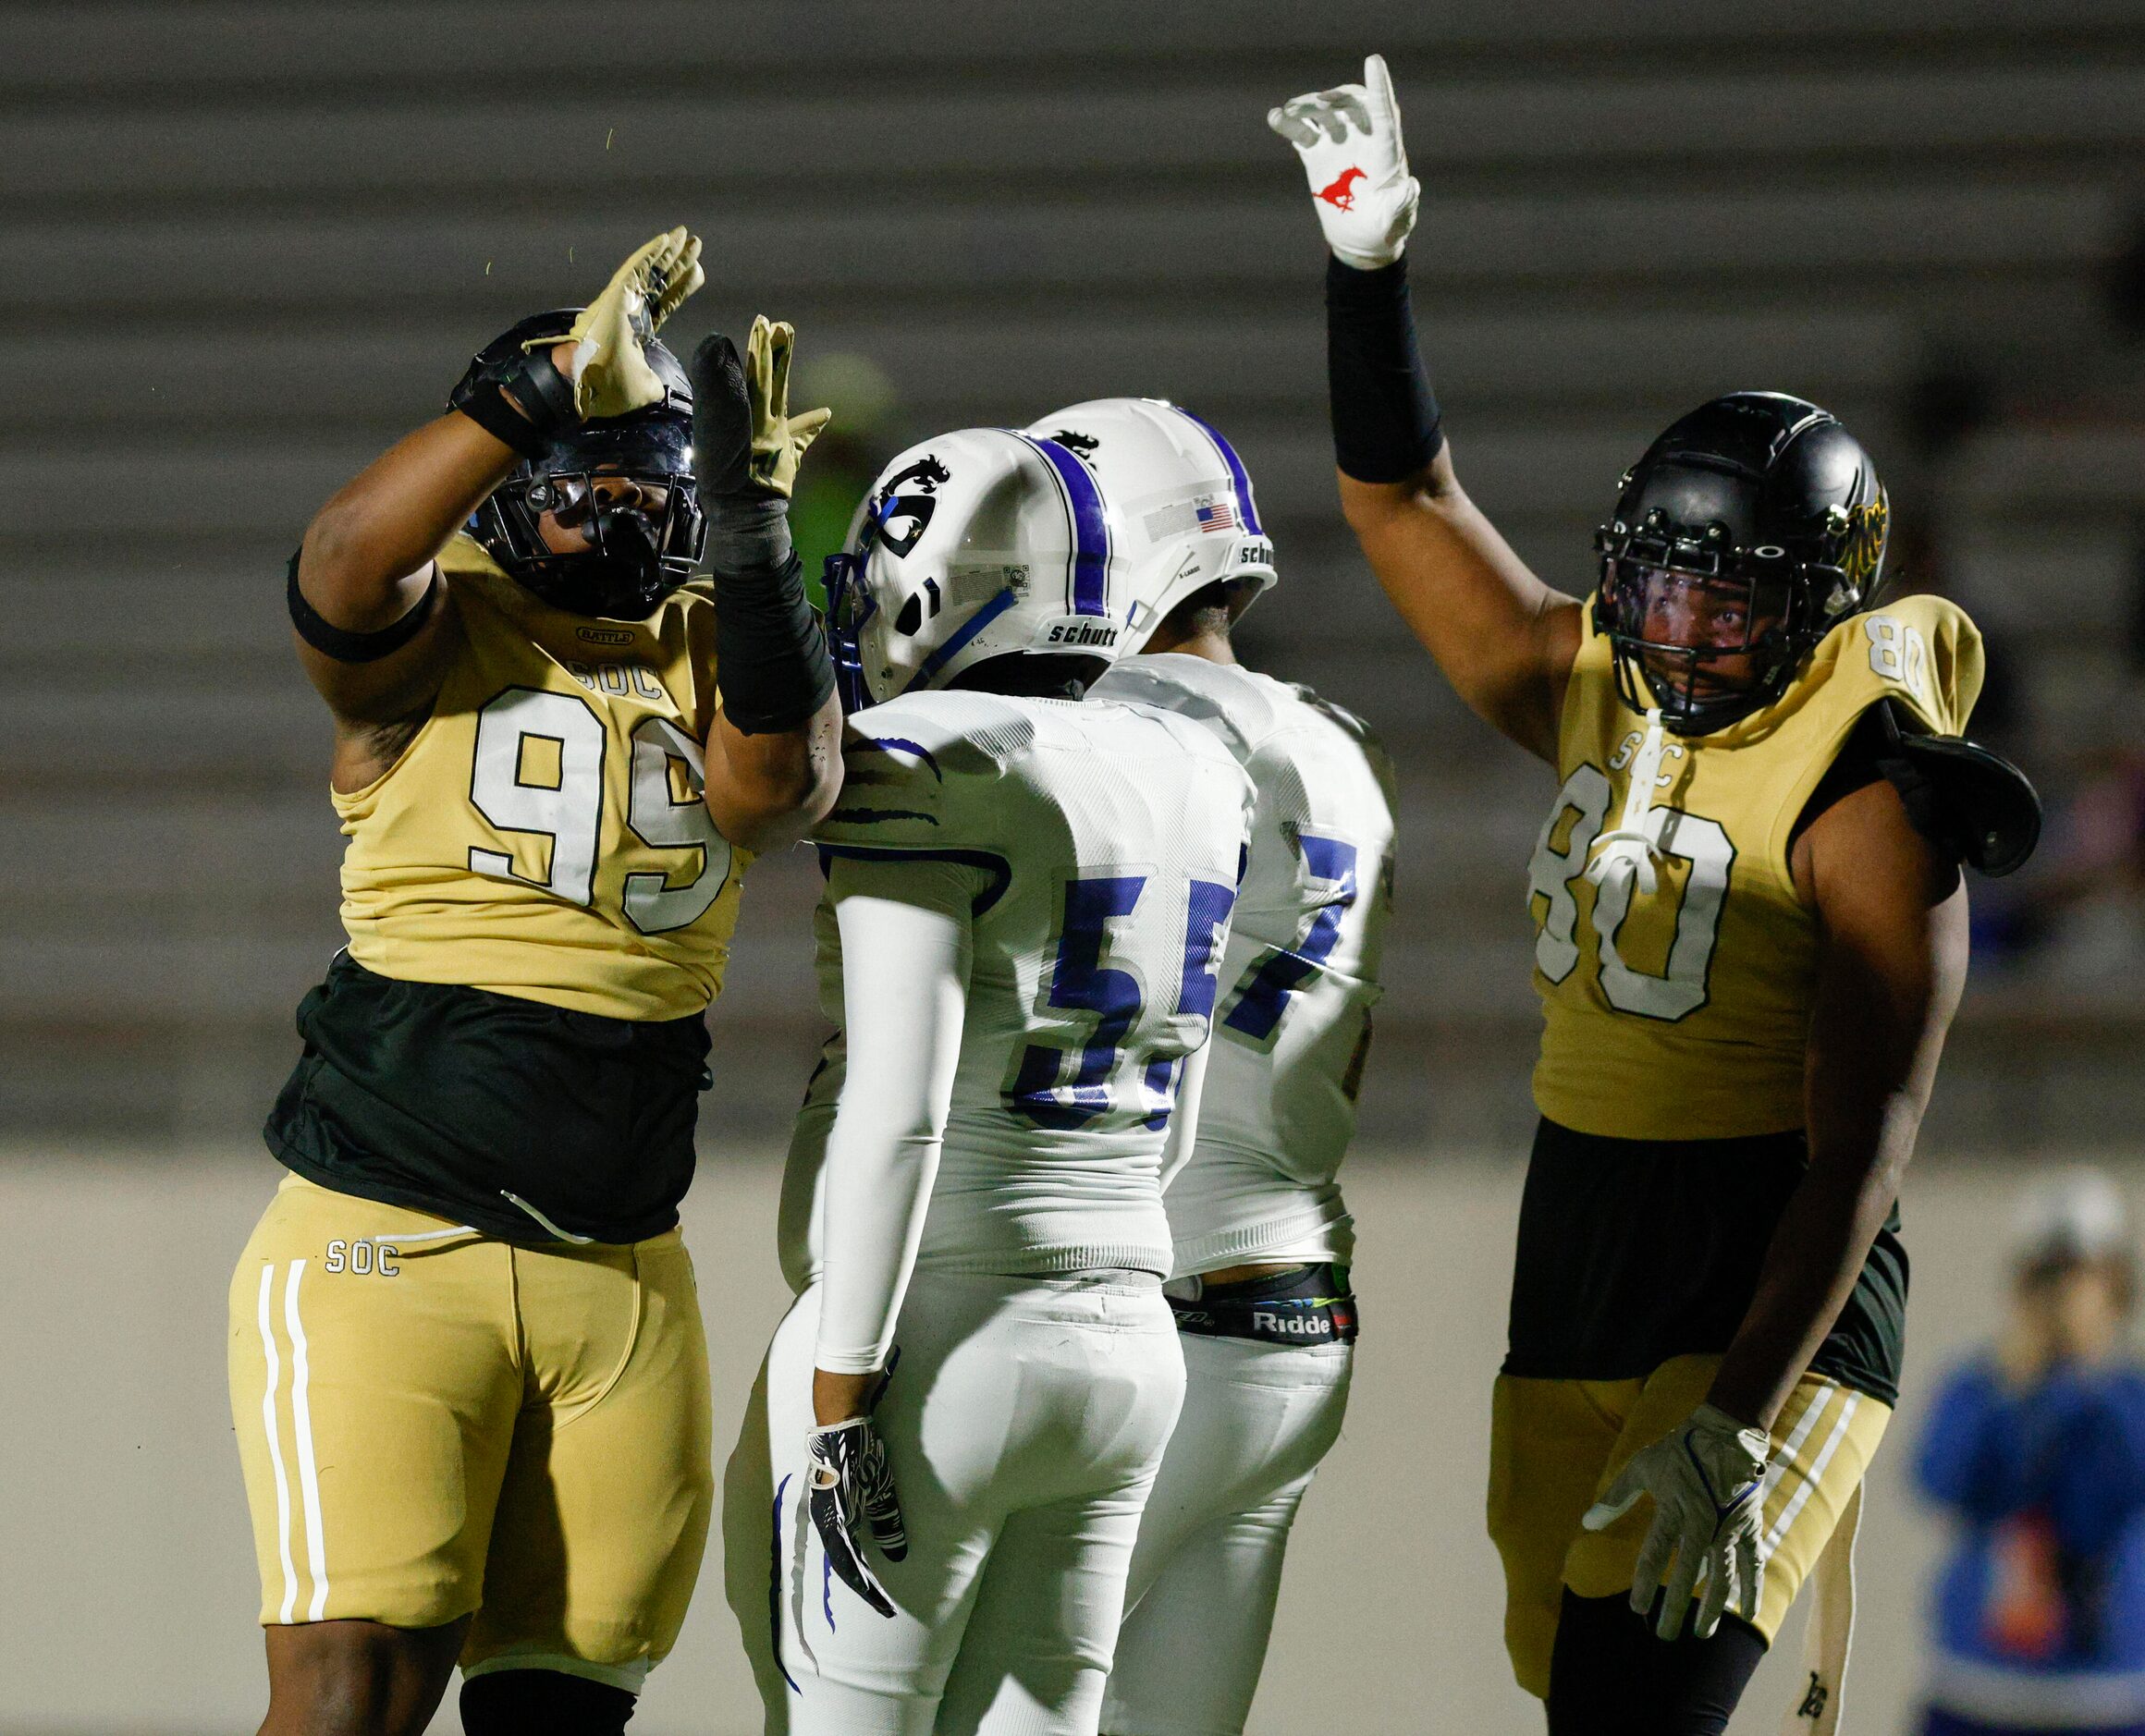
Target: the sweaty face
pixel 1696 631
pixel 571 502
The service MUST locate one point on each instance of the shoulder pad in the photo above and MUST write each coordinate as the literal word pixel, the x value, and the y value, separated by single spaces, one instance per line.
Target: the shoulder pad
pixel 1227 701
pixel 923 771
pixel 1349 723
pixel 1963 797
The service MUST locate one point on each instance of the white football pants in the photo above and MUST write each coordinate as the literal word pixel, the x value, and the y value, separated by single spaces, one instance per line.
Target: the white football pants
pixel 1257 1419
pixel 1024 1425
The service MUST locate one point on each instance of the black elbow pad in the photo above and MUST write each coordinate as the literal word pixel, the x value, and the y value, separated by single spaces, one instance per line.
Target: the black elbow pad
pixel 1970 802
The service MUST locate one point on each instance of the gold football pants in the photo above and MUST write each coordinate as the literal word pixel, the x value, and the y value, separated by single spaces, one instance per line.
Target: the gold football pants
pixel 1555 1445
pixel 433 1423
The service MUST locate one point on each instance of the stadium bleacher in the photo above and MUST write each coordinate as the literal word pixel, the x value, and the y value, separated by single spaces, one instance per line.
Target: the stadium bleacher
pixel 245 246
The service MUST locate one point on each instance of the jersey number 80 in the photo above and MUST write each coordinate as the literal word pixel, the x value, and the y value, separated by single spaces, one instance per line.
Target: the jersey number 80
pixel 1697 841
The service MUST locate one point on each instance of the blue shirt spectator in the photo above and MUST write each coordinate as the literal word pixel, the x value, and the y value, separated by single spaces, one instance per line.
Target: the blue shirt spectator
pixel 2037 1447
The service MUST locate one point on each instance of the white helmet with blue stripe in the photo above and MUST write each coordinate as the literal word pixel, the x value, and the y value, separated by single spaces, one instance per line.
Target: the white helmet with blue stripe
pixel 977 544
pixel 1190 518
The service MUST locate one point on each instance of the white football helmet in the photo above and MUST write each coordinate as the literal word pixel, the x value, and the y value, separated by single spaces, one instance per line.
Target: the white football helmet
pixel 978 543
pixel 1190 517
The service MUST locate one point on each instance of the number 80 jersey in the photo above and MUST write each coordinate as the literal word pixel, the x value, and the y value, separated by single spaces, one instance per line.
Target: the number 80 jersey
pixel 1684 1013
pixel 544 835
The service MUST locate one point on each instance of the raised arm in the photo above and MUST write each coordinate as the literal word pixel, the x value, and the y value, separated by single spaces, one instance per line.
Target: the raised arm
pixel 366 599
pixel 1505 640
pixel 774 756
pixel 368 613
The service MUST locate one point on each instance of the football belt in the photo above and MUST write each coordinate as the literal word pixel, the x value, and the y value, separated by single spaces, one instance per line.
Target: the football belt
pixel 1312 1305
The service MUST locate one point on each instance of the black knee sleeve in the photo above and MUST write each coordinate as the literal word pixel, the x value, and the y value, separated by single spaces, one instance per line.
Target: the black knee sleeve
pixel 542 1703
pixel 1609 1676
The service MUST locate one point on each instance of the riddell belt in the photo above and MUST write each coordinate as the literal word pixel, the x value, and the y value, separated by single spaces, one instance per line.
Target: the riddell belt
pixel 1310 1307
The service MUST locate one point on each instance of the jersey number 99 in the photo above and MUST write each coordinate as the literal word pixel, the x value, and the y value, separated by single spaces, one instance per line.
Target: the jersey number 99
pixel 570 811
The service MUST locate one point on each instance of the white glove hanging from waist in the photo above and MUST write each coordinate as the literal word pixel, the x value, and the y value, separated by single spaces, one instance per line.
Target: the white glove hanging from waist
pixel 1629 850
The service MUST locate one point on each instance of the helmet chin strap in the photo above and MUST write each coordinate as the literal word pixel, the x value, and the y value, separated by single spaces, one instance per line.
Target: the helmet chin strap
pixel 1628 851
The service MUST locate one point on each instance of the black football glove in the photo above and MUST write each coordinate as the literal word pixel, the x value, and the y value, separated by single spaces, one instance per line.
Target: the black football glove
pixel 747 445
pixel 852 1486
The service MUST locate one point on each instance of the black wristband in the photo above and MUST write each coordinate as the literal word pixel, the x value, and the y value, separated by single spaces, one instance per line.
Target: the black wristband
pixel 771 665
pixel 1385 421
pixel 529 404
pixel 341 642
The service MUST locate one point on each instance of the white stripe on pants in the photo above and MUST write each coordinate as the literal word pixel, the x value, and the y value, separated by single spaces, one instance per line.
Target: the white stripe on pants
pixel 1257 1419
pixel 1025 1426
pixel 302 1436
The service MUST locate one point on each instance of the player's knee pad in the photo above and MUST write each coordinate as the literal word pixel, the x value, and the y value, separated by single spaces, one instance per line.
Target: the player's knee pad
pixel 542 1703
pixel 1609 1675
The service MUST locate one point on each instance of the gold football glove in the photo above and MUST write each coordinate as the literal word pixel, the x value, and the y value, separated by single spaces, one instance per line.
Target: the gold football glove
pixel 611 375
pixel 778 438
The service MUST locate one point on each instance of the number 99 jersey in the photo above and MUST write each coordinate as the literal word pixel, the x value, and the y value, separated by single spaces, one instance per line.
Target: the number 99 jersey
pixel 1103 844
pixel 1683 1012
pixel 544 835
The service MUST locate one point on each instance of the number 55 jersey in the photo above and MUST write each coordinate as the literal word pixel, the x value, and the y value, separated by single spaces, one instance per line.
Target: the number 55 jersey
pixel 1088 854
pixel 1104 842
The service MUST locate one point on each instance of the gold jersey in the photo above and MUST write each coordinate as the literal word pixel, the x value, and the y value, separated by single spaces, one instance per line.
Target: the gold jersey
pixel 1683 1012
pixel 544 834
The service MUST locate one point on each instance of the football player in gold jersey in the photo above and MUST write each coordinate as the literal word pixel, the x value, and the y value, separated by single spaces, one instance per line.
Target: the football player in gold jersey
pixel 1750 937
pixel 467 1369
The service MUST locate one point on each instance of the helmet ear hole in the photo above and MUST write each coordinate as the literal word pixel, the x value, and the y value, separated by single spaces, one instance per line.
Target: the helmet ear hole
pixel 912 615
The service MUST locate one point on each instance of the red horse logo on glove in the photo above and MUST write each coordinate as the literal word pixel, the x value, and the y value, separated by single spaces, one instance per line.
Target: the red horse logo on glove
pixel 1342 195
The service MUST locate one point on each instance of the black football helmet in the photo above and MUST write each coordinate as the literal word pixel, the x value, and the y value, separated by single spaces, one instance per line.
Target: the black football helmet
pixel 640 548
pixel 1747 532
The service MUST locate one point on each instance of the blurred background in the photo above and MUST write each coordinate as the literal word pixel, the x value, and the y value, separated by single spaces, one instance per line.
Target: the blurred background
pixel 242 248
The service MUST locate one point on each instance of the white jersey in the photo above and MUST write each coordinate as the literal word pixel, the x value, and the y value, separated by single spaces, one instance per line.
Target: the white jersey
pixel 1102 845
pixel 1300 975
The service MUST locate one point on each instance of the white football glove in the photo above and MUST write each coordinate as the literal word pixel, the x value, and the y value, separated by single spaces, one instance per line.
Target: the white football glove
pixel 610 371
pixel 1349 139
pixel 1707 1478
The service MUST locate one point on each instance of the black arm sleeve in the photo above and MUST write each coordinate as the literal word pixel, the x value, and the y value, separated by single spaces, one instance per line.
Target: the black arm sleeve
pixel 1385 421
pixel 771 665
pixel 341 642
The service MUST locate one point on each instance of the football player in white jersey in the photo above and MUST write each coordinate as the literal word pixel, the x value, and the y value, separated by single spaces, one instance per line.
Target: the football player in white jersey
pixel 1263 1242
pixel 1027 902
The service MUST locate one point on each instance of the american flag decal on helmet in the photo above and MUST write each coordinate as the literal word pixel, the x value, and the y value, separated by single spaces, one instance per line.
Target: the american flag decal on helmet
pixel 1215 515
